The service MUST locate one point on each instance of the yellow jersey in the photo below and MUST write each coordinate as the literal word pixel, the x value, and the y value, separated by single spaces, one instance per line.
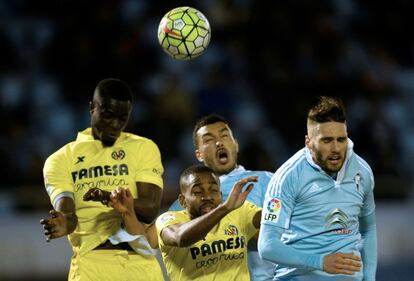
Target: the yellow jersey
pixel 221 255
pixel 84 164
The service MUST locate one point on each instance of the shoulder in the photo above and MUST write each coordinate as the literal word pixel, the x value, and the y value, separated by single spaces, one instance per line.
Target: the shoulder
pixel 170 217
pixel 140 142
pixel 289 174
pixel 65 152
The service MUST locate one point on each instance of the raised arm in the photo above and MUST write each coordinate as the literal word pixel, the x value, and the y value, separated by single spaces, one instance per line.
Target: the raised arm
pixel 146 206
pixel 185 234
pixel 123 202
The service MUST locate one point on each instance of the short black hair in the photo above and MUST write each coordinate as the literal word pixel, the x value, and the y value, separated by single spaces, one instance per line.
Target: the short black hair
pixel 115 89
pixel 194 169
pixel 207 120
pixel 327 109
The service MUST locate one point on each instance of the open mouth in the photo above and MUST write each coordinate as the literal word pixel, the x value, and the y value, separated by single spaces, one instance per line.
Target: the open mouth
pixel 222 156
pixel 335 159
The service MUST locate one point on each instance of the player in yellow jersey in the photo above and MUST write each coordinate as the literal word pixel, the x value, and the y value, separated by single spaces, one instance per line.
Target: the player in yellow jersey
pixel 81 175
pixel 208 240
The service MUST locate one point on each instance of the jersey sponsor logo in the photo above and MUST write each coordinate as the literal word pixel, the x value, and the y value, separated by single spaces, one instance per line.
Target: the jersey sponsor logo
pixel 102 184
pixel 273 207
pixel 222 257
pixel 99 171
pixel 218 246
pixel 167 217
pixel 118 155
pixel 231 230
pixel 338 220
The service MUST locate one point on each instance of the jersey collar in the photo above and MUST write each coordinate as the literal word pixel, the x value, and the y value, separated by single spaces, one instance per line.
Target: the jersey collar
pixel 236 171
pixel 86 135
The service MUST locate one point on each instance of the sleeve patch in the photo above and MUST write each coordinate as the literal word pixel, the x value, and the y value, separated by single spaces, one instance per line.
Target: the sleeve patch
pixel 271 210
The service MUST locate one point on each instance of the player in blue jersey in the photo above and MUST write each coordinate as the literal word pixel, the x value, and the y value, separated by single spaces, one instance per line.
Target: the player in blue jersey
pixel 217 149
pixel 318 218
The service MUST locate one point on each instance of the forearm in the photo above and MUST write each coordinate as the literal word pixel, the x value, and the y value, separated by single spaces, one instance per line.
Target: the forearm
pixel 196 229
pixel 368 231
pixel 132 225
pixel 66 206
pixel 272 249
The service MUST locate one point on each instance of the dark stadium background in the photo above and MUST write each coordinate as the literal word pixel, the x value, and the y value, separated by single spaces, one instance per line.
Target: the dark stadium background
pixel 266 63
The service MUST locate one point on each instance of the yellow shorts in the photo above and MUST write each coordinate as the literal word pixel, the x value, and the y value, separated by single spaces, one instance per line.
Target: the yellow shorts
pixel 114 265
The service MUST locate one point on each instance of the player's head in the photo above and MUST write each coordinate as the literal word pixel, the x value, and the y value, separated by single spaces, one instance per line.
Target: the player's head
pixel 110 110
pixel 214 144
pixel 327 137
pixel 199 190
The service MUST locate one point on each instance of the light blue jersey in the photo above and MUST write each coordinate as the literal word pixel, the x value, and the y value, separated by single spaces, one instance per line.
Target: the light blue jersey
pixel 319 215
pixel 259 269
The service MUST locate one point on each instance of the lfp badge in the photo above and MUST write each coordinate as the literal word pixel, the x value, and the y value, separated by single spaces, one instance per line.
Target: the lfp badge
pixel 273 210
pixel 274 205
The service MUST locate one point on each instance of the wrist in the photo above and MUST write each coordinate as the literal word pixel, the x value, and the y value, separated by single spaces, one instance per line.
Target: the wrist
pixel 223 207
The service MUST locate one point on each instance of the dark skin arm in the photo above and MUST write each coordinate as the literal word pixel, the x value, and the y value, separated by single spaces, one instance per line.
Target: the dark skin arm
pixel 62 220
pixel 146 206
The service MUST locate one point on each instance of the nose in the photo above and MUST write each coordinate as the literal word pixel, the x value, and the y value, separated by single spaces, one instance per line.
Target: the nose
pixel 116 123
pixel 206 196
pixel 334 146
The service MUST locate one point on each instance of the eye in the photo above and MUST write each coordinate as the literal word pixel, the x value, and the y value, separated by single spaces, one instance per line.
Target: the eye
pixel 197 193
pixel 208 140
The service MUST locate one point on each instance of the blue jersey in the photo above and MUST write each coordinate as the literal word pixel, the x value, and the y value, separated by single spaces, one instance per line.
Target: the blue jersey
pixel 259 269
pixel 320 215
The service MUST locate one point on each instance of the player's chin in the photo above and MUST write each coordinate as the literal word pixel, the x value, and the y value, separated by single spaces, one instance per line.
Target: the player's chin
pixel 109 140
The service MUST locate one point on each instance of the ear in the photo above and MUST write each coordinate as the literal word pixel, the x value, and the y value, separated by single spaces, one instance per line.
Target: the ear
pixel 198 155
pixel 307 142
pixel 181 199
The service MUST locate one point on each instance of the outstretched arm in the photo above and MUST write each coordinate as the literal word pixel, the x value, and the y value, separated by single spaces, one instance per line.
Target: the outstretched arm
pixel 62 220
pixel 147 205
pixel 272 249
pixel 185 234
pixel 122 201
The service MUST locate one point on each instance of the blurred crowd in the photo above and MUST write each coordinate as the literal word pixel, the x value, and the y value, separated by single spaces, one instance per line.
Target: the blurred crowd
pixel 266 62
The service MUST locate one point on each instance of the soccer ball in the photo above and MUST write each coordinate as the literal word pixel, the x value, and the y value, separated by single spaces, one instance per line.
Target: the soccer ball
pixel 184 33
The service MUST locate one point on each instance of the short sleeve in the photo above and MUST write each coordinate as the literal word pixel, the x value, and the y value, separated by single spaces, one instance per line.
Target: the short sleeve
pixel 56 174
pixel 169 218
pixel 150 168
pixel 280 200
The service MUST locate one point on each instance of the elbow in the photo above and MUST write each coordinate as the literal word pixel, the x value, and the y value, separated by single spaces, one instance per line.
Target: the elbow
pixel 184 241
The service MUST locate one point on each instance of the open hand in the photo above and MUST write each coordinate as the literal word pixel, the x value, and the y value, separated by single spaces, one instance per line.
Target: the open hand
pixel 341 263
pixel 55 226
pixel 121 200
pixel 237 196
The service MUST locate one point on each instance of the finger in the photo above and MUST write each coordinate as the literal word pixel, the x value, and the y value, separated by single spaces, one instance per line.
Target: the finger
pixel 348 256
pixel 128 192
pixel 249 188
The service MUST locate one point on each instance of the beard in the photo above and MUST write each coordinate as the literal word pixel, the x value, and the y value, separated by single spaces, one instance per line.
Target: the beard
pixel 325 165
